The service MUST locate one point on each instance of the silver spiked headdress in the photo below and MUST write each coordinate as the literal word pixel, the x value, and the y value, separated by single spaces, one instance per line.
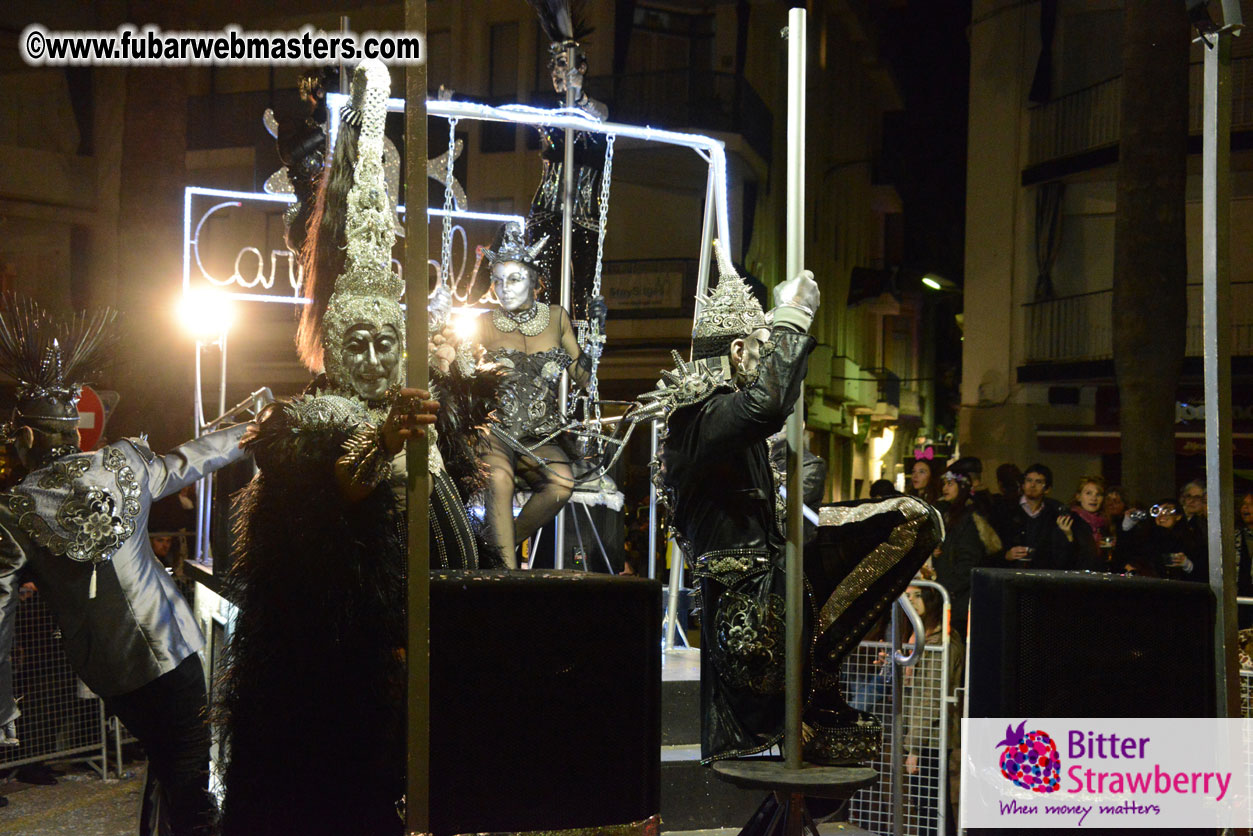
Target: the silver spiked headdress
pixel 513 247
pixel 49 359
pixel 368 291
pixel 729 312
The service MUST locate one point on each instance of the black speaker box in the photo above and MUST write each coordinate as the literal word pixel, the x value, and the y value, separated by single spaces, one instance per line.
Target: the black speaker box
pixel 545 701
pixel 1080 644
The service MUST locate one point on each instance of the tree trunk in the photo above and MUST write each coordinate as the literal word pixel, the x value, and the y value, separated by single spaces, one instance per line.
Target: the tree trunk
pixel 1149 308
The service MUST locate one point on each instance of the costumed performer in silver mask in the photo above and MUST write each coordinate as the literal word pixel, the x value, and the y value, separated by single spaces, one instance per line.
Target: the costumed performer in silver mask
pixel 725 504
pixel 533 342
pixel 78 523
pixel 312 702
pixel 564 28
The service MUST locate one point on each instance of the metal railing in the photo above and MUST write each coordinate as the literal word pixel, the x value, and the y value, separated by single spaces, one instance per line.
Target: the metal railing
pixel 927 695
pixel 61 719
pixel 1079 327
pixel 1090 118
pixel 699 99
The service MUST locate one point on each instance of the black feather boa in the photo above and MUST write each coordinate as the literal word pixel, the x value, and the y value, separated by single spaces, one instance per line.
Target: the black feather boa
pixel 312 697
pixel 466 404
pixel 311 701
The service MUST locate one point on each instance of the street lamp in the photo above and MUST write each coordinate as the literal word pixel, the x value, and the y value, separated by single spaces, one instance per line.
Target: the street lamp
pixel 207 316
pixel 939 283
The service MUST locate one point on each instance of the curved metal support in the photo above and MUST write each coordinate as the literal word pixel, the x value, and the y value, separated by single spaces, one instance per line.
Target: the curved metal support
pixel 920 635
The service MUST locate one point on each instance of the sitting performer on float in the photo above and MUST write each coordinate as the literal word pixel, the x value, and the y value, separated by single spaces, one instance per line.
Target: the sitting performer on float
pixel 313 693
pixel 77 522
pixel 723 495
pixel 534 342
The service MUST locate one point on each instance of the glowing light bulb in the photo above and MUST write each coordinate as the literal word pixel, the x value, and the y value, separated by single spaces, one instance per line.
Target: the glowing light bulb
pixel 206 313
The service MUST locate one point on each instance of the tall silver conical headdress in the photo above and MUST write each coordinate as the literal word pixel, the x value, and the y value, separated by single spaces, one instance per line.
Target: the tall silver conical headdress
pixel 729 312
pixel 368 291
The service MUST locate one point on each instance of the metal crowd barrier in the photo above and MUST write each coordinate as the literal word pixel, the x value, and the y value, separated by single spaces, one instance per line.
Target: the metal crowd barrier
pixel 1246 673
pixel 867 678
pixel 61 718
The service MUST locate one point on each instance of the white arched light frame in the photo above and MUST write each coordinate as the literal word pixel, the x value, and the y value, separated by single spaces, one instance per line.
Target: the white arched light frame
pixel 711 150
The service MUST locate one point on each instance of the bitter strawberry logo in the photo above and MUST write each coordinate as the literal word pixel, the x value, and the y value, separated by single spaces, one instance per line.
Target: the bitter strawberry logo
pixel 1030 759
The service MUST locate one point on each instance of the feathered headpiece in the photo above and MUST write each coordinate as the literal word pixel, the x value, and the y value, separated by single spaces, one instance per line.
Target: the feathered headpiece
pixel 49 359
pixel 368 290
pixel 729 312
pixel 513 247
pixel 562 21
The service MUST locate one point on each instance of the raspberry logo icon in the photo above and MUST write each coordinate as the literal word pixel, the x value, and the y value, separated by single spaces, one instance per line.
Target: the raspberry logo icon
pixel 1030 759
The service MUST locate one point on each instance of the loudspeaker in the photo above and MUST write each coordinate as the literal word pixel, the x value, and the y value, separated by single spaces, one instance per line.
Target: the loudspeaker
pixel 1078 644
pixel 545 701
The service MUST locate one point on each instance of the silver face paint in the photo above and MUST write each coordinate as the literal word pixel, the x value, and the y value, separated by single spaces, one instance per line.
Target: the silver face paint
pixel 371 357
pixel 514 284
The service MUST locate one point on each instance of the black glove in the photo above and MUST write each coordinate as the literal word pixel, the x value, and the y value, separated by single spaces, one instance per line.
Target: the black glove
pixel 598 312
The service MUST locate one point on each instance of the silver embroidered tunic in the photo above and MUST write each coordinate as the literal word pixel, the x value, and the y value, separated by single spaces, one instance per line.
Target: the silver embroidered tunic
pixel 86 514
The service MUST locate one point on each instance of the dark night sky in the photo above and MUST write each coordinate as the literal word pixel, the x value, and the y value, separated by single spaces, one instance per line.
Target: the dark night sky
pixel 924 145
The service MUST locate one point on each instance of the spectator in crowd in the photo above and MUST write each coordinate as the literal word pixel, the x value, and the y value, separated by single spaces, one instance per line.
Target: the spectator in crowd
pixel 972 466
pixel 1115 507
pixel 1160 548
pixel 1041 531
pixel 927 758
pixel 969 541
pixel 1194 522
pixel 1005 504
pixel 1244 558
pixel 881 488
pixel 924 481
pixel 1086 505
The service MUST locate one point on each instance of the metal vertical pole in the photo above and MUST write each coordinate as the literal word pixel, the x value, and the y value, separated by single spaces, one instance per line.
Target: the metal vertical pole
pixel 206 484
pixel 706 246
pixel 343 68
pixel 652 506
pixel 222 373
pixel 197 427
pixel 567 268
pixel 672 597
pixel 896 765
pixel 796 53
pixel 418 648
pixel 1216 306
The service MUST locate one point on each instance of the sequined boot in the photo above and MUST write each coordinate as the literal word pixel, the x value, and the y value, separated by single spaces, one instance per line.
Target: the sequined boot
pixel 865 555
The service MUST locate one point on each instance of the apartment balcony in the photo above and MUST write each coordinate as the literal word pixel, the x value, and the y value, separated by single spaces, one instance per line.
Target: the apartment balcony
pixel 1072 336
pixel 688 99
pixel 1080 131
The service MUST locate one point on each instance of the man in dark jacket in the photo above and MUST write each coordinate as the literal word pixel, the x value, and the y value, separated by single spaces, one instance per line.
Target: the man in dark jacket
pixel 745 378
pixel 1041 532
pixel 721 408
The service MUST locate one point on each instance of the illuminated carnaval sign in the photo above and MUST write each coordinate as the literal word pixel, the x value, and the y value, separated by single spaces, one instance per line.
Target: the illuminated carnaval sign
pixel 216 222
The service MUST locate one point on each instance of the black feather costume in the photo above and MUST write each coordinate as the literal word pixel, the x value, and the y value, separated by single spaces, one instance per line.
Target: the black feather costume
pixel 313 695
pixel 312 700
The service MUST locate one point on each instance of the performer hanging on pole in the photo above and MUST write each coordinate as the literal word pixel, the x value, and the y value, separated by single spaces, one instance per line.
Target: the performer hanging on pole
pixel 565 30
pixel 715 474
